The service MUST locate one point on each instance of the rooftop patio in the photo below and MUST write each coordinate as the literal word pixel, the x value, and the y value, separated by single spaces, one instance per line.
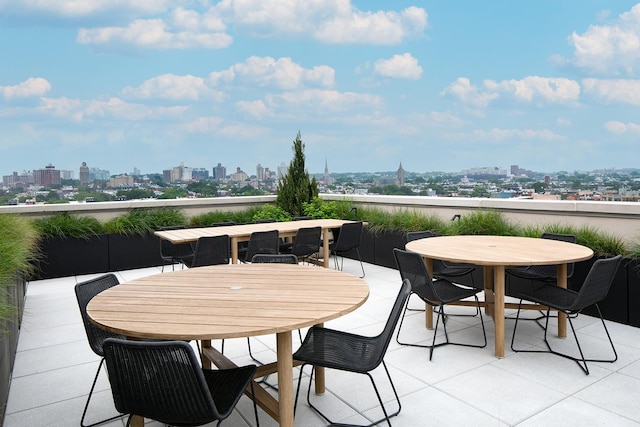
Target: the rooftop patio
pixel 54 368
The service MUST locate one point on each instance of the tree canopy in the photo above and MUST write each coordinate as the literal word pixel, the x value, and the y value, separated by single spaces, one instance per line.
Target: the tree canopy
pixel 296 188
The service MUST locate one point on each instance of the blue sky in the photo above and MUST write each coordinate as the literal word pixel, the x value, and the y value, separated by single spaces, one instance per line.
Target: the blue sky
pixel 436 85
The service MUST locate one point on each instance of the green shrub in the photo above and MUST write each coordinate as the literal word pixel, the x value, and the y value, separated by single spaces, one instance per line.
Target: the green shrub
pixel 400 220
pixel 145 220
pixel 210 218
pixel 272 212
pixel 65 225
pixel 333 209
pixel 481 222
pixel 18 250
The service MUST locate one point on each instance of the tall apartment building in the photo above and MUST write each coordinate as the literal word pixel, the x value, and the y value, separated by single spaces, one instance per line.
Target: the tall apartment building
pixel 84 174
pixel 219 172
pixel 47 177
pixel 260 172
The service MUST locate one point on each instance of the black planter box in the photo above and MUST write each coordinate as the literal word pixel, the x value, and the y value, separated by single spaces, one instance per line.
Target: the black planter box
pixel 384 244
pixel 73 256
pixel 135 251
pixel 633 283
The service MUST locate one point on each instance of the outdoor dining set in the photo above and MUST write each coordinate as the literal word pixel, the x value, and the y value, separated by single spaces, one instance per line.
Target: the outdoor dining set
pixel 154 334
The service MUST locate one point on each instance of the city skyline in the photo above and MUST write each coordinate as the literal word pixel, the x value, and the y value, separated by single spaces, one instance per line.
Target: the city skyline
pixel 438 86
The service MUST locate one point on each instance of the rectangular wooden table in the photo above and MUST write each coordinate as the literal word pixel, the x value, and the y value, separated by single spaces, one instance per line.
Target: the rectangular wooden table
pixel 233 301
pixel 495 254
pixel 242 233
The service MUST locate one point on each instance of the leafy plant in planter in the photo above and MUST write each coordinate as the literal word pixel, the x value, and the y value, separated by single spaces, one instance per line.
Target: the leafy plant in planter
pixel 145 221
pixel 210 218
pixel 272 212
pixel 334 209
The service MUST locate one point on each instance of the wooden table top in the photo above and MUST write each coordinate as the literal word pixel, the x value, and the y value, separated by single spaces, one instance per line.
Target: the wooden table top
pixel 227 301
pixel 285 228
pixel 500 250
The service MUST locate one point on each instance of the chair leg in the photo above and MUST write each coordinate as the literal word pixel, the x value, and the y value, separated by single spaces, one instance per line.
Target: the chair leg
pixel 86 406
pixel 581 361
pixel 386 417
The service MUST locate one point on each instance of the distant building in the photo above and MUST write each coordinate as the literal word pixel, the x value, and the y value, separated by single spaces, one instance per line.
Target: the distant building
pixel 400 175
pixel 283 169
pixel 239 175
pixel 219 172
pixel 96 174
pixel 84 174
pixel 200 174
pixel 47 177
pixel 66 174
pixel 259 172
pixel 122 181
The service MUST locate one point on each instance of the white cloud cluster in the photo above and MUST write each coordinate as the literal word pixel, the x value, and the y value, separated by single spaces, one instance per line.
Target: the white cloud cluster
pixel 33 86
pixel 620 128
pixel 403 66
pixel 83 8
pixel 171 86
pixel 113 108
pixel 610 49
pixel 618 91
pixel 496 134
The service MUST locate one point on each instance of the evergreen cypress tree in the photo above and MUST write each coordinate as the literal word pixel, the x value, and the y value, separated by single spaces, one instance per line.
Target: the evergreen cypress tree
pixel 295 188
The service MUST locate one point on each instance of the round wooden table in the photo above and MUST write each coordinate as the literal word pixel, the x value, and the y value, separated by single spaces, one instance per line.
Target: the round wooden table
pixel 231 301
pixel 495 254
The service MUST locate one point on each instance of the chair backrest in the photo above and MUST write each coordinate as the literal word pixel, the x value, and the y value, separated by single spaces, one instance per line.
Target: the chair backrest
pixel 274 259
pixel 212 250
pixel 349 236
pixel 160 380
pixel 263 242
pixel 412 268
pixel 552 270
pixel 415 235
pixel 380 343
pixel 307 241
pixel 302 218
pixel 597 283
pixel 168 249
pixel 85 291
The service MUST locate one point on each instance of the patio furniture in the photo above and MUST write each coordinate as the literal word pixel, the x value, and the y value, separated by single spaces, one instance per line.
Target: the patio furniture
pixel 348 241
pixel 306 244
pixel 221 301
pixel 594 289
pixel 211 250
pixel 85 291
pixel 163 381
pixel 436 293
pixel 261 242
pixel 172 253
pixel 494 253
pixel 330 348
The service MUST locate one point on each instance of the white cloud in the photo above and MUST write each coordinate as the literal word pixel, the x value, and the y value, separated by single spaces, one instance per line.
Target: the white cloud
pixel 330 21
pixel 614 48
pixel 496 134
pixel 256 109
pixel 158 34
pixel 620 128
pixel 171 86
pixel 532 87
pixel 323 100
pixel 203 125
pixel 403 66
pixel 33 86
pixel 624 91
pixel 113 108
pixel 281 73
pixel 463 90
pixel 80 8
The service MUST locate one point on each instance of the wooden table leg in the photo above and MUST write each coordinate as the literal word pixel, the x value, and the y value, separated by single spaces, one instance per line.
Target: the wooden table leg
pixel 325 247
pixel 562 318
pixel 319 375
pixel 428 310
pixel 498 308
pixel 206 363
pixel 234 250
pixel 137 421
pixel 285 378
pixel 488 290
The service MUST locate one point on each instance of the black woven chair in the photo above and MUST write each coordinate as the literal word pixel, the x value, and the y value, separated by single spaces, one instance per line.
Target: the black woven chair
pixel 306 244
pixel 274 259
pixel 260 242
pixel 348 240
pixel 594 289
pixel 540 273
pixel 436 293
pixel 345 351
pixel 85 291
pixel 211 250
pixel 163 381
pixel 172 253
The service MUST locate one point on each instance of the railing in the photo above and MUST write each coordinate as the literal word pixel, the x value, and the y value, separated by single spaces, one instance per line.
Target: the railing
pixel 617 218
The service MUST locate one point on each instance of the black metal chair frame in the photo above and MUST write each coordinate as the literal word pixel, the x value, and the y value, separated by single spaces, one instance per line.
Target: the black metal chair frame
pixel 349 352
pixel 175 252
pixel 349 238
pixel 164 381
pixel 444 270
pixel 436 293
pixel 211 250
pixel 261 242
pixel 306 244
pixel 85 291
pixel 594 289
